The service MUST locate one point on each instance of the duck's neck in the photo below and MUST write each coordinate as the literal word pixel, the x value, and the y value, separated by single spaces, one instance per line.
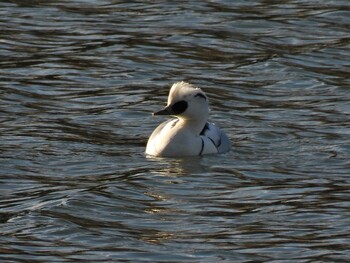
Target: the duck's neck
pixel 194 125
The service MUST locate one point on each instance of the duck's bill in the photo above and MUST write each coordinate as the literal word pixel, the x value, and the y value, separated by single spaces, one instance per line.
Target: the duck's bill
pixel 165 111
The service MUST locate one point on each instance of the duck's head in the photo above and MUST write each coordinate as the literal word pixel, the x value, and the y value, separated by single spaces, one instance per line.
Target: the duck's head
pixel 186 102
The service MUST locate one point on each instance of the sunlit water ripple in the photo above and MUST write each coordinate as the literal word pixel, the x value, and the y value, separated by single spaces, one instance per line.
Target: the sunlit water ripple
pixel 79 80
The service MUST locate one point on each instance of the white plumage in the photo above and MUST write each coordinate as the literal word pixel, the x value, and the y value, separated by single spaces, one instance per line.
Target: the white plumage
pixel 189 133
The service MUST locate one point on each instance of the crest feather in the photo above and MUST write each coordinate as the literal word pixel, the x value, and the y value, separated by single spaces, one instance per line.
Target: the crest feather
pixel 180 90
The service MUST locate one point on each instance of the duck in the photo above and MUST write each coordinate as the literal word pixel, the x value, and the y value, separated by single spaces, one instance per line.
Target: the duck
pixel 189 133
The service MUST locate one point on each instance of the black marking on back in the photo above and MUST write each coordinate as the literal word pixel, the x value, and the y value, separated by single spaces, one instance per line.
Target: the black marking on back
pixel 200 153
pixel 200 95
pixel 219 141
pixel 206 127
pixel 179 107
pixel 213 142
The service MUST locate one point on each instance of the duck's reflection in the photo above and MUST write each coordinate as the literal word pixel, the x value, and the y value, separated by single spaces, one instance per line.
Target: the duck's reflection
pixel 168 196
pixel 175 167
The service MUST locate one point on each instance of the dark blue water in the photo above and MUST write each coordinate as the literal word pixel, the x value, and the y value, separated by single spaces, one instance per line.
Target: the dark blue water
pixel 78 83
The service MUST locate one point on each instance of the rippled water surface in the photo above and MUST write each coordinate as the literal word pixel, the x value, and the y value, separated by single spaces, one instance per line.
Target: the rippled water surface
pixel 79 80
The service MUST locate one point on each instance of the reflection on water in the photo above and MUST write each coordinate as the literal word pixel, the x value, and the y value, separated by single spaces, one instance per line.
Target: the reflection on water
pixel 79 80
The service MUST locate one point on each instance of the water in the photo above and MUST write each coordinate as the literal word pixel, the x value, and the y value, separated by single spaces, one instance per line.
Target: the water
pixel 79 80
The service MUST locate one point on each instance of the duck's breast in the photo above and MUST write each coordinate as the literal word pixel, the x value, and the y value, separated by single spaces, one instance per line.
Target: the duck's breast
pixel 171 139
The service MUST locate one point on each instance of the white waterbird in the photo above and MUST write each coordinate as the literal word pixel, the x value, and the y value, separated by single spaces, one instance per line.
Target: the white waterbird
pixel 189 133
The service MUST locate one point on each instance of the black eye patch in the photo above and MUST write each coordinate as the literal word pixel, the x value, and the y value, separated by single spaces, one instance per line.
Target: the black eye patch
pixel 200 95
pixel 179 107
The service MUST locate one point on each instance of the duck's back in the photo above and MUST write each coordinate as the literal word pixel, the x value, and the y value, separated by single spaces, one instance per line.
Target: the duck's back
pixel 217 137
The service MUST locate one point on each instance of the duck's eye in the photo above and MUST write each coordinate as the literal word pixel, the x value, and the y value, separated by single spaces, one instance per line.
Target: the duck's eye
pixel 179 107
pixel 200 95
